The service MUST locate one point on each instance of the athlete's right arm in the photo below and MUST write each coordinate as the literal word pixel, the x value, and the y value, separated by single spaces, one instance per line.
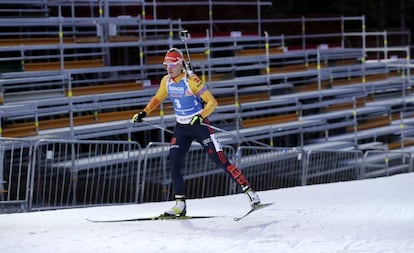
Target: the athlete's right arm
pixel 159 96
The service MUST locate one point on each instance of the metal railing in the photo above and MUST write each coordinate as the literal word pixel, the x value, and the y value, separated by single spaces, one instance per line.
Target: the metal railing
pixel 14 173
pixel 55 174
pixel 270 167
pixel 68 173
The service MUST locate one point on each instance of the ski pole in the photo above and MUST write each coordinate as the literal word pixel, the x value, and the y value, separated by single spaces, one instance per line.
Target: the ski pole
pixel 230 133
pixel 213 127
pixel 159 127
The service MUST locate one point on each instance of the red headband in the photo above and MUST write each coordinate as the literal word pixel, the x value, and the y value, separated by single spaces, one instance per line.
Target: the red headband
pixel 173 56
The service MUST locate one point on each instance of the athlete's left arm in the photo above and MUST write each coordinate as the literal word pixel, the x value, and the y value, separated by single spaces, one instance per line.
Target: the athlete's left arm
pixel 199 89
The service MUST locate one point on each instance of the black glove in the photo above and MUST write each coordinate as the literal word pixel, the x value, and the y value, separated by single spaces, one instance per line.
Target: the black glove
pixel 138 117
pixel 196 120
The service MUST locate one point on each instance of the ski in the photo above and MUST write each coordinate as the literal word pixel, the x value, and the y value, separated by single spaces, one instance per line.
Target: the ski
pixel 159 217
pixel 187 217
pixel 253 209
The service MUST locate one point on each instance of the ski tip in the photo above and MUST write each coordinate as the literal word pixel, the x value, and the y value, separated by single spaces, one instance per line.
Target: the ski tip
pixel 253 209
pixel 91 220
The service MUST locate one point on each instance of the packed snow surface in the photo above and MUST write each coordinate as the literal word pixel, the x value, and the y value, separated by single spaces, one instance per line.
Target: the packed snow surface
pixel 367 216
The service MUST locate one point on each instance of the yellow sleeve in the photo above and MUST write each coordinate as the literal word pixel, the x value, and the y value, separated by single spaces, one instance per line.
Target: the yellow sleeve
pixel 159 96
pixel 199 89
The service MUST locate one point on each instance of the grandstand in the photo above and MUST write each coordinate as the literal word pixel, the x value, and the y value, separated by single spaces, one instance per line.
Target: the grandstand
pixel 79 70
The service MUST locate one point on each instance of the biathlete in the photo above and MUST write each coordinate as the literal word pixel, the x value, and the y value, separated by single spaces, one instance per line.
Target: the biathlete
pixel 193 103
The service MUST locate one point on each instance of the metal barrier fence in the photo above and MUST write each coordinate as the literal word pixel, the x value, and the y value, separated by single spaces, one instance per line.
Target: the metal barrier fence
pixel 70 173
pixel 325 166
pixel 53 174
pixel 383 163
pixel 14 173
pixel 270 168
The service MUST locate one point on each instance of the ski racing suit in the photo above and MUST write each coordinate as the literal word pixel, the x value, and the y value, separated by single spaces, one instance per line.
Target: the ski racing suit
pixel 191 97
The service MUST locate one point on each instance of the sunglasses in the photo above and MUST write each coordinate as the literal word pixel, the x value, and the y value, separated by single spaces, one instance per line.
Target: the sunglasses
pixel 171 64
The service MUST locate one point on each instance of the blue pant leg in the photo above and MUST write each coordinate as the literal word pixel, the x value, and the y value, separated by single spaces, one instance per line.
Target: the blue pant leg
pixel 179 147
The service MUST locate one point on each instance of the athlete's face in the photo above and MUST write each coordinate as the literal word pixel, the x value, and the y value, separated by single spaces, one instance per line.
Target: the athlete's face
pixel 173 68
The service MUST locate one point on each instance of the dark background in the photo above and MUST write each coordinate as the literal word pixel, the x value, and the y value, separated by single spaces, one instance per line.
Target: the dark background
pixel 379 14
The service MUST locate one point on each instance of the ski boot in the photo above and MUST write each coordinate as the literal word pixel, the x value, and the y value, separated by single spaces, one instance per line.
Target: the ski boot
pixel 179 209
pixel 253 197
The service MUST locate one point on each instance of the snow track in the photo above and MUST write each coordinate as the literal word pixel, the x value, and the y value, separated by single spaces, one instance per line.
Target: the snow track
pixel 369 216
